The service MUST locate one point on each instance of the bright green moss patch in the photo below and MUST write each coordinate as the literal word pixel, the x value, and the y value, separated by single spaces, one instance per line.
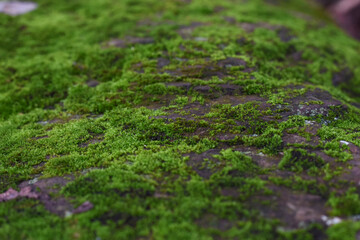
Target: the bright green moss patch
pixel 270 140
pixel 238 161
pixel 15 222
pixel 344 230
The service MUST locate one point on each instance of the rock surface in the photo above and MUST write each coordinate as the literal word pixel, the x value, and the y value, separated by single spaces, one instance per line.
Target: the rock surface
pixel 200 119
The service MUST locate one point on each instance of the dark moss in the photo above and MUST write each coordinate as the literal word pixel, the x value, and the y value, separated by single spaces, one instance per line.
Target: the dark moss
pixel 298 160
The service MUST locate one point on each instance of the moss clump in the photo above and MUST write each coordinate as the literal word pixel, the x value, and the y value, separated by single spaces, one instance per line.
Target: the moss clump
pixel 298 160
pixel 270 141
pixel 237 161
pixel 344 230
pixel 348 204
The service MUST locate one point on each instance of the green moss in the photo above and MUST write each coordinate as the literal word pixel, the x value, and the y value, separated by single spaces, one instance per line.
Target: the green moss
pixel 15 223
pixel 298 160
pixel 298 183
pixel 346 205
pixel 238 161
pixel 344 230
pixel 270 141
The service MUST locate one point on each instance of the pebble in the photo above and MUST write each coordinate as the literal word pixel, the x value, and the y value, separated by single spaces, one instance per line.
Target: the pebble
pixel 344 142
pixel 331 221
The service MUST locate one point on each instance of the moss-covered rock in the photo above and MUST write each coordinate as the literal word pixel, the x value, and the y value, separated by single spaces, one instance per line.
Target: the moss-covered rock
pixel 200 119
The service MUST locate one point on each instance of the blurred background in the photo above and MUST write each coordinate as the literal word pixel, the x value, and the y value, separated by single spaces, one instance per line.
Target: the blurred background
pixel 346 13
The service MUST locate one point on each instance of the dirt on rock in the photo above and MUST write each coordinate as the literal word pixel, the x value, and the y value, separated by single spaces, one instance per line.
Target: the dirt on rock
pixel 294 209
pixel 209 69
pixel 128 41
pixel 46 190
pixel 200 163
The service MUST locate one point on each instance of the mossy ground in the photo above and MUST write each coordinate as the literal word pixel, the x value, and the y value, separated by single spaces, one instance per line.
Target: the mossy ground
pixel 176 119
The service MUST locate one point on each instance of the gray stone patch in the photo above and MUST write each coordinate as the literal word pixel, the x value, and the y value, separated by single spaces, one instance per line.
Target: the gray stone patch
pixel 313 103
pixel 92 83
pixel 343 76
pixel 15 8
pixel 200 166
pixel 186 31
pixel 128 41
